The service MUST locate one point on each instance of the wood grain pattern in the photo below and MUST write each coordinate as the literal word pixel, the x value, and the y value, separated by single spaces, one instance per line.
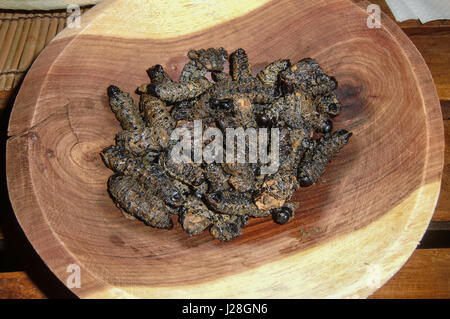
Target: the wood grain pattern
pixel 372 206
pixel 17 285
pixel 442 212
pixel 439 64
pixel 425 275
pixel 432 39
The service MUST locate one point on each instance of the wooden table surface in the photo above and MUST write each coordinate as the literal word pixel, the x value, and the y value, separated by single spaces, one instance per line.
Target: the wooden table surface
pixel 425 275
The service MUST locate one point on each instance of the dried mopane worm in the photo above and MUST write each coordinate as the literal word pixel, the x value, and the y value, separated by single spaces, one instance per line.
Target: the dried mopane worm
pixel 296 101
pixel 314 163
pixel 157 75
pixel 136 199
pixel 212 59
pixel 191 71
pixel 155 113
pixel 276 190
pixel 307 76
pixel 177 92
pixel 235 203
pixel 171 191
pixel 269 75
pixel 240 66
pixel 124 108
pixel 196 217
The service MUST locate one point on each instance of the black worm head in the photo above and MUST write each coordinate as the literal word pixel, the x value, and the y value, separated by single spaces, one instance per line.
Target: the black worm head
pixel 155 70
pixel 305 181
pixel 216 197
pixel 282 216
pixel 113 90
pixel 257 171
pixel 334 109
pixel 265 121
pixel 214 103
pixel 225 104
pixel 326 127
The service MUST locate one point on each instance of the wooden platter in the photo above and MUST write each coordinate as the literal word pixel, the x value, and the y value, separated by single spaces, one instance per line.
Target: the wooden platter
pixel 353 230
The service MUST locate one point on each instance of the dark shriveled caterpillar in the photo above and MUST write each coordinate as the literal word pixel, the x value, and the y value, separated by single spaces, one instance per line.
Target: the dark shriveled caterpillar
pixel 233 203
pixel 177 92
pixel 136 199
pixel 212 59
pixel 269 75
pixel 314 163
pixel 191 71
pixel 127 113
pixel 240 67
pixel 155 113
pixel 172 191
pixel 157 75
pixel 298 100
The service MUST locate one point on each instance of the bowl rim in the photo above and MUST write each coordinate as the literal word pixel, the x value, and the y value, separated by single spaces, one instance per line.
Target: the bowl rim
pixel 28 213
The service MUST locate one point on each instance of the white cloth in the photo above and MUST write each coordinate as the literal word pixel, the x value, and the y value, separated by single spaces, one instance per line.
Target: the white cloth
pixel 424 10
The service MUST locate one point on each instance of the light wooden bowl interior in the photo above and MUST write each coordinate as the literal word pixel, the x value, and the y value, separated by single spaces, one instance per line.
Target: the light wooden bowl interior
pixel 354 229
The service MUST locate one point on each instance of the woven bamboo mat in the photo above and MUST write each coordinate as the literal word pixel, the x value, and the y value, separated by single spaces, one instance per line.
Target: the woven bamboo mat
pixel 23 35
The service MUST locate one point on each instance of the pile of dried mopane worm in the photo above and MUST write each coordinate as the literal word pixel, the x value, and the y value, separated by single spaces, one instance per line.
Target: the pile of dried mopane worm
pixel 298 100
